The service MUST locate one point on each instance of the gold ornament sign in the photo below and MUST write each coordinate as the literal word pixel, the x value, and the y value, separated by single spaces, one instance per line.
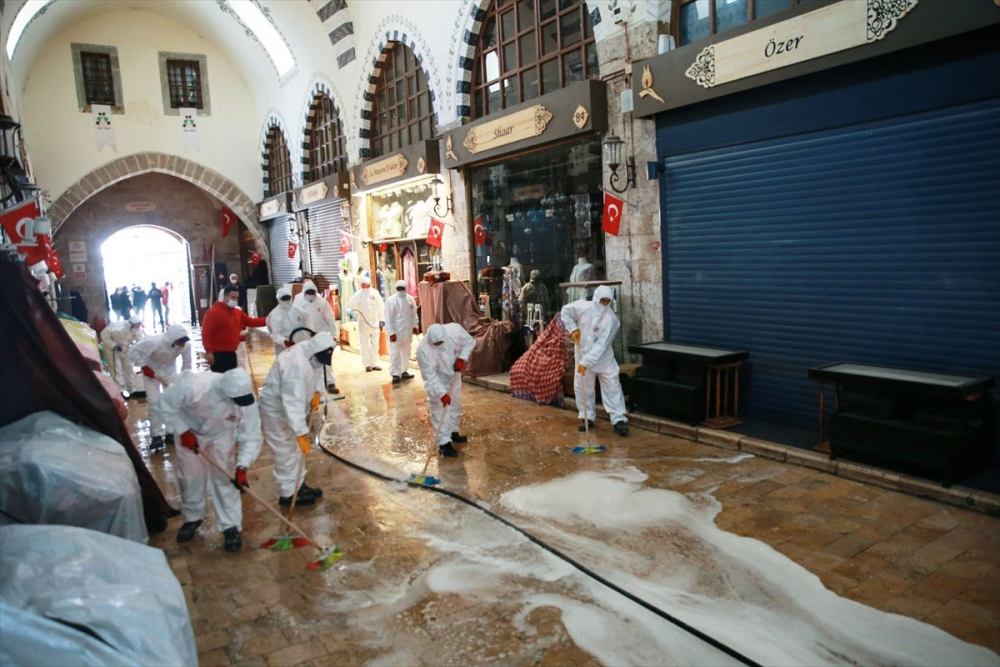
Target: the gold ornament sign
pixel 271 207
pixel 449 149
pixel 383 170
pixel 421 165
pixel 514 127
pixel 313 193
pixel 580 117
pixel 647 86
pixel 837 27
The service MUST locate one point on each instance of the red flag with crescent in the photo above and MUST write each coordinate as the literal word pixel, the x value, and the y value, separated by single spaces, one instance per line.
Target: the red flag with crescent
pixel 293 248
pixel 228 220
pixel 15 221
pixel 435 232
pixel 612 214
pixel 480 232
pixel 345 243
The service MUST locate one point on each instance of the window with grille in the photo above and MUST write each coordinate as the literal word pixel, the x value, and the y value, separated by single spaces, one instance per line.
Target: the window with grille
pixel 401 109
pixel 698 19
pixel 98 80
pixel 279 162
pixel 528 48
pixel 327 150
pixel 184 81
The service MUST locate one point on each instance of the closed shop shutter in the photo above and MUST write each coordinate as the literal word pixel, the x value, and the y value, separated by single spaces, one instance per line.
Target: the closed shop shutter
pixel 874 242
pixel 283 269
pixel 325 224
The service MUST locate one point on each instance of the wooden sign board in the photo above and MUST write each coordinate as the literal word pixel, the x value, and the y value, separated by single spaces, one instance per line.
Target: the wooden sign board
pixel 270 208
pixel 384 170
pixel 513 127
pixel 313 193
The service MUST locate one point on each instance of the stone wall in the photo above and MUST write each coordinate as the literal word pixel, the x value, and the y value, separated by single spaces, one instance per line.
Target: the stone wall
pixel 177 206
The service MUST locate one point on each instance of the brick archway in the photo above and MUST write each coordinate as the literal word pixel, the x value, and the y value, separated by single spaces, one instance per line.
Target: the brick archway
pixel 136 164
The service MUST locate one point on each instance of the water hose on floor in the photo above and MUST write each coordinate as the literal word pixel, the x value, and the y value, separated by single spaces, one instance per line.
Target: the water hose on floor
pixel 711 641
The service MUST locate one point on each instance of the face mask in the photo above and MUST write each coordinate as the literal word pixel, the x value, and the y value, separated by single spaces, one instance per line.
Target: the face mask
pixel 310 297
pixel 324 357
pixel 285 303
pixel 232 303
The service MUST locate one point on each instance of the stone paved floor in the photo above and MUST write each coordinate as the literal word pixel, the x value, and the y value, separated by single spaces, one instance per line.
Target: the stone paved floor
pixel 389 602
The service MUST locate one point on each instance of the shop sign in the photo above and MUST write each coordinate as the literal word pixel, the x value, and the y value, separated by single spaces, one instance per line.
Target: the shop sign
pixel 383 170
pixel 313 193
pixel 518 126
pixel 536 191
pixel 836 27
pixel 140 206
pixel 270 208
pixel 79 271
pixel 77 252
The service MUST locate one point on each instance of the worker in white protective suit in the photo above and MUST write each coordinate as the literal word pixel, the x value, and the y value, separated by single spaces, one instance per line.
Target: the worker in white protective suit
pixel 400 326
pixel 210 411
pixel 157 355
pixel 283 320
pixel 442 356
pixel 288 396
pixel 367 309
pixel 319 317
pixel 118 338
pixel 593 325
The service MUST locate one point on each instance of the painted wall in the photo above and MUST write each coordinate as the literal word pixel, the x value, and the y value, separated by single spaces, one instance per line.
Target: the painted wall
pixel 61 137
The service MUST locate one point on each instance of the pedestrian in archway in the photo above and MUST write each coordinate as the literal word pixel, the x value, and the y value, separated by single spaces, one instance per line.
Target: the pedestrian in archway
pixel 155 296
pixel 126 304
pixel 139 302
pixel 166 301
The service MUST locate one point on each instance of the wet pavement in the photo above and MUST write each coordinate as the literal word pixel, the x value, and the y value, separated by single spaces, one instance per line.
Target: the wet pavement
pixel 783 564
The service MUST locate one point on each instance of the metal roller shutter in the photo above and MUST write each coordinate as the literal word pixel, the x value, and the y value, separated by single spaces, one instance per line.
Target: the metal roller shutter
pixel 325 224
pixel 874 242
pixel 283 270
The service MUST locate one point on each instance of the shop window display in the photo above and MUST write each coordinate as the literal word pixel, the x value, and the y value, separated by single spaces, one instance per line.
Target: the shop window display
pixel 400 219
pixel 537 225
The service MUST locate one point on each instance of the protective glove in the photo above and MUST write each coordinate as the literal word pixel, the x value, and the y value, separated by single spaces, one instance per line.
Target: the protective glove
pixel 446 400
pixel 148 372
pixel 392 337
pixel 190 440
pixel 305 443
pixel 241 480
pixel 582 369
pixel 381 324
pixel 118 348
pixel 353 315
pixel 576 336
pixel 314 403
pixel 288 342
pixel 459 365
pixel 415 331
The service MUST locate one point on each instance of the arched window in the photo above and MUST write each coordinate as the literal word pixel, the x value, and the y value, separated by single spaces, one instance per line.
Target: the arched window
pixel 279 163
pixel 528 48
pixel 401 109
pixel 698 19
pixel 327 152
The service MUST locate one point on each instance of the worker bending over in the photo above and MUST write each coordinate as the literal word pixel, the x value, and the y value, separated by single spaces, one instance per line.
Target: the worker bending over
pixel 319 317
pixel 283 320
pixel 400 326
pixel 367 307
pixel 442 356
pixel 118 338
pixel 211 411
pixel 157 355
pixel 593 325
pixel 289 394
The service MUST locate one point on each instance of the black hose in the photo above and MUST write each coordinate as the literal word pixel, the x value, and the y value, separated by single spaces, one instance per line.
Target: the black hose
pixel 711 641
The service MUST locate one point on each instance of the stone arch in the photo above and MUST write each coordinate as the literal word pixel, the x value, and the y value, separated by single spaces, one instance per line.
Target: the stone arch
pixel 336 19
pixel 321 85
pixel 466 51
pixel 391 30
pixel 271 119
pixel 137 164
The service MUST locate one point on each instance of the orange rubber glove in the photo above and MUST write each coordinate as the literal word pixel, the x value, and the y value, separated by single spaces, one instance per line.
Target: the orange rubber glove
pixel 576 336
pixel 189 440
pixel 314 403
pixel 305 443
pixel 446 400
pixel 582 369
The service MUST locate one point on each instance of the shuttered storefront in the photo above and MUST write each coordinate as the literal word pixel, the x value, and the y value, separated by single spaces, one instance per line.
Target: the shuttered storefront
pixel 283 269
pixel 325 224
pixel 854 216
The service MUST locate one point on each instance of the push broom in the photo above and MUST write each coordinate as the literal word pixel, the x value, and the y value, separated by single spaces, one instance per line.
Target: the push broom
pixel 588 447
pixel 423 479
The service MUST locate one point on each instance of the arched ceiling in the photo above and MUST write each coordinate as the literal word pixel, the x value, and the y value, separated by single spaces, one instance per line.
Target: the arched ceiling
pixel 213 20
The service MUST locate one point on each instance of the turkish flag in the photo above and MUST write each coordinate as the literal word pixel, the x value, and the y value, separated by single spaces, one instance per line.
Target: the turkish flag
pixel 612 214
pixel 228 220
pixel 345 243
pixel 293 247
pixel 480 232
pixel 16 219
pixel 435 232
pixel 54 264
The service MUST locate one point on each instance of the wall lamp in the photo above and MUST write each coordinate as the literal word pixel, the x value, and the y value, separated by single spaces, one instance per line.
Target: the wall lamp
pixel 612 155
pixel 436 185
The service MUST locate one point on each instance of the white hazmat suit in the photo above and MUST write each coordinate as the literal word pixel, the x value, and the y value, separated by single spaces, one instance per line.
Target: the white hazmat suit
pixel 319 317
pixel 367 306
pixel 400 321
pixel 598 325
pixel 160 354
pixel 284 404
pixel 118 338
pixel 437 365
pixel 283 320
pixel 202 403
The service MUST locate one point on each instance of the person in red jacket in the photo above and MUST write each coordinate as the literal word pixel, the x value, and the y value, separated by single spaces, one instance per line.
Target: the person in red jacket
pixel 220 330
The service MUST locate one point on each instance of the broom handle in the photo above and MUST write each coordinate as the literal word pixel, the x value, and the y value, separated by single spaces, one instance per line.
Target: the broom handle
pixel 438 431
pixel 583 389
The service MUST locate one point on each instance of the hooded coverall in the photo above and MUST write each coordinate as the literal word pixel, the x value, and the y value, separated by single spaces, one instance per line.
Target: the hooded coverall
pixel 319 317
pixel 202 403
pixel 284 404
pixel 283 320
pixel 370 311
pixel 598 325
pixel 122 336
pixel 437 365
pixel 160 354
pixel 400 320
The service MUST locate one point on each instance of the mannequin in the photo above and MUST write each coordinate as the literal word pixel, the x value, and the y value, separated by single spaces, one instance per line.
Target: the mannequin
pixel 418 219
pixel 394 221
pixel 582 272
pixel 510 303
pixel 383 221
pixel 534 292
pixel 515 268
pixel 347 287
